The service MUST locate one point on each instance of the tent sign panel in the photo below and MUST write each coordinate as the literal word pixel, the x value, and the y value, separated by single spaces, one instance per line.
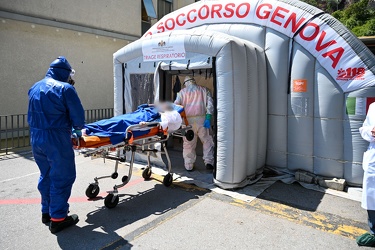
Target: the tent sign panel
pixel 165 49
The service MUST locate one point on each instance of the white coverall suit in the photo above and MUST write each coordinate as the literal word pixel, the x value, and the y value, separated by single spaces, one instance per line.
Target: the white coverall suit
pixel 368 192
pixel 197 101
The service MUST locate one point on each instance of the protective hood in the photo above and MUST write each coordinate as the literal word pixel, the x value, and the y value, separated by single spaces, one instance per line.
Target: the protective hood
pixel 189 81
pixel 59 69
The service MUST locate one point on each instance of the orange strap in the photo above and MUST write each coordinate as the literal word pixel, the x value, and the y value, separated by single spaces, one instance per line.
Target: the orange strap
pixel 153 131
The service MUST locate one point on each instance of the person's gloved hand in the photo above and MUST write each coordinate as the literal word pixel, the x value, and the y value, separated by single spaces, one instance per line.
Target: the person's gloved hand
pixel 207 122
pixel 77 132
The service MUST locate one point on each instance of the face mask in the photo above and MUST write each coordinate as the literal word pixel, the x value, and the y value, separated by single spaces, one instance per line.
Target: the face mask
pixel 71 81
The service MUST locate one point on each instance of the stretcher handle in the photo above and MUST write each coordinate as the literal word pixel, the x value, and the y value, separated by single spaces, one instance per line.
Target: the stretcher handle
pixel 76 139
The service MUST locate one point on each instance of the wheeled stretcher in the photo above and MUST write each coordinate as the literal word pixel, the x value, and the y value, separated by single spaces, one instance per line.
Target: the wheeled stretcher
pixel 101 147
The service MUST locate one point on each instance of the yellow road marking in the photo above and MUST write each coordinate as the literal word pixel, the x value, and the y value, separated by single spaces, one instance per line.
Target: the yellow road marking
pixel 319 220
pixel 238 203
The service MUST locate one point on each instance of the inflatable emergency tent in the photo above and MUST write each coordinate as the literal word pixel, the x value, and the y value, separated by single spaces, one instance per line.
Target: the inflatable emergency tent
pixel 292 84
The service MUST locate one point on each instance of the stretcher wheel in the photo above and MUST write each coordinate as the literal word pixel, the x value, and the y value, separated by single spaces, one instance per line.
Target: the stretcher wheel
pixel 92 191
pixel 114 175
pixel 167 181
pixel 124 178
pixel 146 174
pixel 111 201
pixel 189 135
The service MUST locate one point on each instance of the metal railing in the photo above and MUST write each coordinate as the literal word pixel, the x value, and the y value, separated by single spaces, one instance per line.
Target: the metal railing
pixel 14 132
pixel 93 115
pixel 14 129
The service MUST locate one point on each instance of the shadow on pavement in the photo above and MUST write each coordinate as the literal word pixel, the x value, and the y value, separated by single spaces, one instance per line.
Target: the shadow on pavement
pixel 126 218
pixel 293 195
pixel 21 153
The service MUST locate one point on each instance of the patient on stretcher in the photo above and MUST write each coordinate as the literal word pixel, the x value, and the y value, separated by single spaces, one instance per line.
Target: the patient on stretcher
pixel 113 130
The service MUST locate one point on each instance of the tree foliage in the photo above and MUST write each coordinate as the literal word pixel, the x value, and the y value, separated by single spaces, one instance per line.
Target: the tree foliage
pixel 328 6
pixel 357 16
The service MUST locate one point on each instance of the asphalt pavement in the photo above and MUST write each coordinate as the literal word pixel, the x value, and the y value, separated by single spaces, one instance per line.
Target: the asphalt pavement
pixel 182 216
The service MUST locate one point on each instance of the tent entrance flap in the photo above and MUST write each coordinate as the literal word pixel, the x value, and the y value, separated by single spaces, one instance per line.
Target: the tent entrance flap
pixel 170 82
pixel 137 85
pixel 165 72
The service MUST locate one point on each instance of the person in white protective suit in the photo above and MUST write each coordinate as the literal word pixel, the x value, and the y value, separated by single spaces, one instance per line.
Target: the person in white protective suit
pixel 368 193
pixel 198 104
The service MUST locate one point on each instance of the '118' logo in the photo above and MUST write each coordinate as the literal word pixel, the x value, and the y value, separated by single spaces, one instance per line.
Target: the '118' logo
pixel 351 74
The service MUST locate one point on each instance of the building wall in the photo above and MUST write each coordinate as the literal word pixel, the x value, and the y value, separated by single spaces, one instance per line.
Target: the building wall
pixel 369 41
pixel 113 15
pixel 27 50
pixel 86 32
pixel 177 4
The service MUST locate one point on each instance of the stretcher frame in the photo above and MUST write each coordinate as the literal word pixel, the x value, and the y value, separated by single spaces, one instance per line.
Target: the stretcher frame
pixel 141 144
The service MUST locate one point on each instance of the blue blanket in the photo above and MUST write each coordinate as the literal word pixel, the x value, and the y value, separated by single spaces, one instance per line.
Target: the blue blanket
pixel 115 127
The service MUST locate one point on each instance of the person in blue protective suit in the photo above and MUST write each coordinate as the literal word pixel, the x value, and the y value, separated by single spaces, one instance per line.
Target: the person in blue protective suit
pixel 199 108
pixel 54 109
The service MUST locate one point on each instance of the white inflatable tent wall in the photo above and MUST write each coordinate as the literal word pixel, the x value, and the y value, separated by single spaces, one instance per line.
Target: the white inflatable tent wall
pixel 241 94
pixel 319 83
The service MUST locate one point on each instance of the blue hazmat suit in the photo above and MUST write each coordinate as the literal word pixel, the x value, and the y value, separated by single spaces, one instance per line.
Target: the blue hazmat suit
pixel 54 109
